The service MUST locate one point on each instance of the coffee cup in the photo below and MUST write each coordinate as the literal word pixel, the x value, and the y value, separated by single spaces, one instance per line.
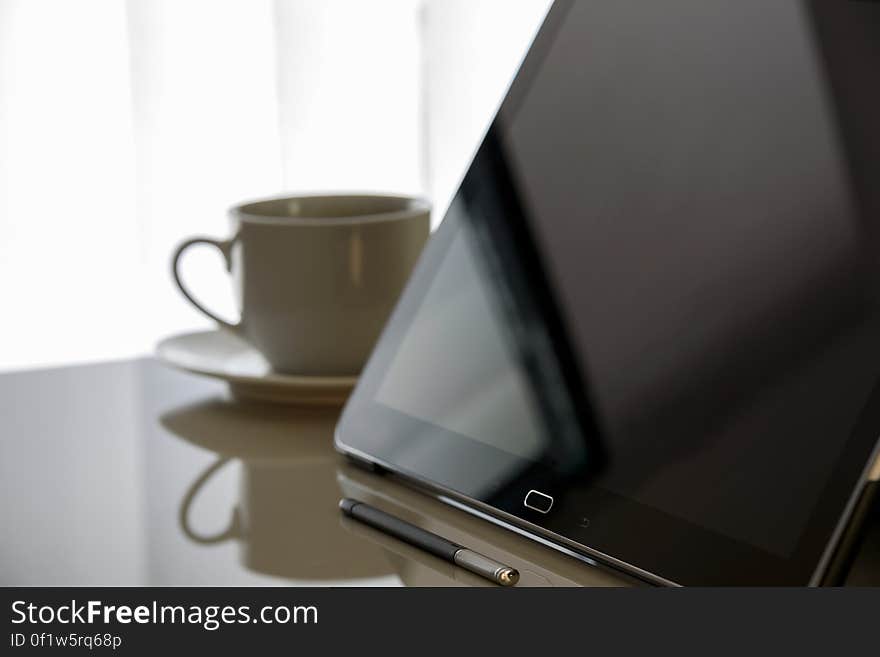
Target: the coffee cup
pixel 316 277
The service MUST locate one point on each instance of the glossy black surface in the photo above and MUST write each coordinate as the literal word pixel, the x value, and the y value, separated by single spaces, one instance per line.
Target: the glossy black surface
pixel 132 474
pixel 676 208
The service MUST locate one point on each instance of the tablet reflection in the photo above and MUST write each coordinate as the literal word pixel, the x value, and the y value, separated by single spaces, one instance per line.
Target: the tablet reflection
pixel 538 565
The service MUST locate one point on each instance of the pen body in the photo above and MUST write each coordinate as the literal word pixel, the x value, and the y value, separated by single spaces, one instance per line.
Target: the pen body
pixel 432 543
pixel 405 531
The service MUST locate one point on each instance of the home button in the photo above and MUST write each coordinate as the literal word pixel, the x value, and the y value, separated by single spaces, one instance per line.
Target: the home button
pixel 538 501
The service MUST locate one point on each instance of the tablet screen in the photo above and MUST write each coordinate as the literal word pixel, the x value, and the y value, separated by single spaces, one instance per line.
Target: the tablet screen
pixel 457 349
pixel 695 201
pixel 699 184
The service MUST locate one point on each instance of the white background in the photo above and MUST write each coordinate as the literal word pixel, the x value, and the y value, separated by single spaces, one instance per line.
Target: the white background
pixel 128 126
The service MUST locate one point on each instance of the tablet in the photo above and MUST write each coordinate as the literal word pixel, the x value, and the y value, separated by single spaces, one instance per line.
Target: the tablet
pixel 647 331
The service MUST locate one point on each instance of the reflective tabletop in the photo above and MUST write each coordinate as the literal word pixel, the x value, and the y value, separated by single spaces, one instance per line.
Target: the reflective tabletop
pixel 131 474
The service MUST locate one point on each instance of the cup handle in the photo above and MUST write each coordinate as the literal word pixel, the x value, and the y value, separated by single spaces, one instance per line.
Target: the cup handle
pixel 225 247
pixel 234 528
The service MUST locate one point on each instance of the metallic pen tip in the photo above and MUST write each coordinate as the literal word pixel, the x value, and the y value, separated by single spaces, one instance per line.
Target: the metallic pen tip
pixel 508 577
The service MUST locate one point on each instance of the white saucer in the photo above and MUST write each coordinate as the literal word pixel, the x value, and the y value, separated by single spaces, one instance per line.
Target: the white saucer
pixel 221 355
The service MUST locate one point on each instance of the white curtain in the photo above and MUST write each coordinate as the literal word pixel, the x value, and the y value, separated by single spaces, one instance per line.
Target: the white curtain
pixel 472 50
pixel 127 126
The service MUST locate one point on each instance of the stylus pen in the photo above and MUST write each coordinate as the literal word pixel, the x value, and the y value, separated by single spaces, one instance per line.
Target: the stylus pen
pixel 425 540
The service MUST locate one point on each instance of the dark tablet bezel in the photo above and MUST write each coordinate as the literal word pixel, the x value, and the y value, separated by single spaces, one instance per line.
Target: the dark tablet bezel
pixel 638 538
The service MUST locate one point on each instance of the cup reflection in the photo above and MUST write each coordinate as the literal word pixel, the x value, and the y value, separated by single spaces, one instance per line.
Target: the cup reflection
pixel 286 520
